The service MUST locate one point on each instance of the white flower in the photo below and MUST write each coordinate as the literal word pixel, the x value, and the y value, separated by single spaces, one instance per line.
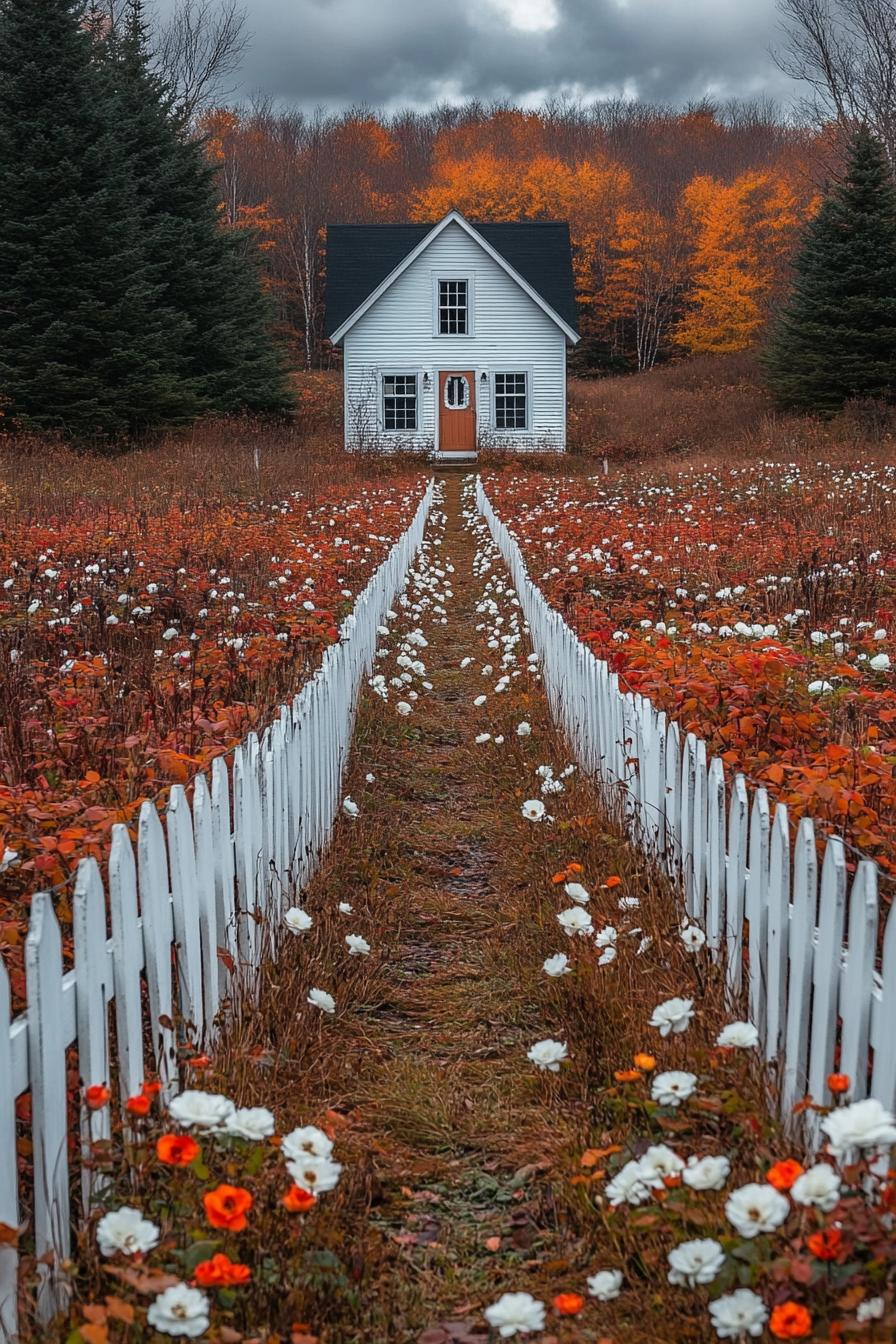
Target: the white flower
pixel 695 1262
pixel 523 729
pixel 741 1035
pixel 319 998
pixel 693 937
pixel 880 663
pixel 556 965
pixel 251 1122
pixel 819 688
pixel 818 1187
pixel 297 920
pixel 480 701
pixel 606 937
pixel 861 1125
pixel 574 921
pixel 403 708
pixel 533 809
pixel 576 892
pixel 369 778
pixel 608 955
pixel 305 1140
pixel 706 1173
pixel 350 807
pixel 515 1314
pixel 672 1088
pixel 201 1110
pixel 345 909
pixel 170 633
pixel 482 738
pixel 740 1313
pixel 674 1015
pixel 548 1055
pixel 8 859
pixel 753 1209
pixel 180 1311
pixel 315 1174
pixel 605 1284
pixel 659 1162
pixel 126 1230
pixel 872 1309
pixel 357 946
pixel 628 1186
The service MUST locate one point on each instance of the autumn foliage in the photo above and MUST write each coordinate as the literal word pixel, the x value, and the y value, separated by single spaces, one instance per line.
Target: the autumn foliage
pixel 682 223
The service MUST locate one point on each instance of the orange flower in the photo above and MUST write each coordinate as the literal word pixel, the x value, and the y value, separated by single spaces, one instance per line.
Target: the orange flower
pixel 199 1061
pixel 138 1105
pixel 297 1200
pixel 783 1174
pixel 627 1075
pixel 97 1096
pixel 613 882
pixel 226 1206
pixel 221 1272
pixel 150 1089
pixel 825 1245
pixel 568 1304
pixel 790 1320
pixel 177 1150
pixel 838 1082
pixel 645 1062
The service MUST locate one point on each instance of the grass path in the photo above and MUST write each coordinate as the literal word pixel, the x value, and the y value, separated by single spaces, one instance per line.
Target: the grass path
pixel 463 1174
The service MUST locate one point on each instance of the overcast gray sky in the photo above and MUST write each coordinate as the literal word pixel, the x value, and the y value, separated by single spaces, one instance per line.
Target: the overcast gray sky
pixel 395 52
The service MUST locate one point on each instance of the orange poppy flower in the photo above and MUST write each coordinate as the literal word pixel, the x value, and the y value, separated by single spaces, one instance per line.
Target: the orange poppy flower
pixel 138 1105
pixel 150 1089
pixel 613 882
pixel 297 1200
pixel 645 1062
pixel 226 1206
pixel 627 1075
pixel 177 1150
pixel 783 1174
pixel 97 1096
pixel 790 1320
pixel 838 1082
pixel 199 1061
pixel 826 1245
pixel 221 1272
pixel 568 1304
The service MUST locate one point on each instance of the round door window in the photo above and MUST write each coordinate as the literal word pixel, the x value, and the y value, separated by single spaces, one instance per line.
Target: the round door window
pixel 457 392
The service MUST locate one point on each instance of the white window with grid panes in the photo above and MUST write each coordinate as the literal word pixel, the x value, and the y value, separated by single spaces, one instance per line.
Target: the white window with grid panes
pixel 511 400
pixel 400 402
pixel 453 307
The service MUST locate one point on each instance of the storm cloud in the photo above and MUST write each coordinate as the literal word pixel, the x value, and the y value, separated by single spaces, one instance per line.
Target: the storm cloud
pixel 391 53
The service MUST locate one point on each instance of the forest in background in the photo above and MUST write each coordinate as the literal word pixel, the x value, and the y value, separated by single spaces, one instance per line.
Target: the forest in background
pixel 683 221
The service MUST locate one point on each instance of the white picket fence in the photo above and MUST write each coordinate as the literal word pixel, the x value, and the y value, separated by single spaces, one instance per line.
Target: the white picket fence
pixel 807 949
pixel 213 877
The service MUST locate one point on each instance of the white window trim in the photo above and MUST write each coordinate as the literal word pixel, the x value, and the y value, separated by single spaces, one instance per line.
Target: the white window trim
pixel 397 372
pixel 525 369
pixel 445 274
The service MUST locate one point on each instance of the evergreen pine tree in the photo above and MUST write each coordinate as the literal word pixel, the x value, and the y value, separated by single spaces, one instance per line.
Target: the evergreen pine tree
pixel 210 274
pixel 836 337
pixel 86 345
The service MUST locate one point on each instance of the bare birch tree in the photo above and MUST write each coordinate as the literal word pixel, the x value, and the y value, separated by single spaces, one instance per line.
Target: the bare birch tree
pixel 197 49
pixel 845 52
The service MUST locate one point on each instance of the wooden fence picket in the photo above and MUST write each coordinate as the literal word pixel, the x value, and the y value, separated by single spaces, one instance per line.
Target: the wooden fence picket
pixel 801 953
pixel 94 973
pixel 9 1195
pixel 127 958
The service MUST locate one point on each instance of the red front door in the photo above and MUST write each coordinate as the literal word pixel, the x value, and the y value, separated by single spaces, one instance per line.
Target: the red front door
pixel 457 412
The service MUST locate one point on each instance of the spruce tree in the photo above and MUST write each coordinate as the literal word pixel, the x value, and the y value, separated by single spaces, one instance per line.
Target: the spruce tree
pixel 208 273
pixel 87 347
pixel 836 337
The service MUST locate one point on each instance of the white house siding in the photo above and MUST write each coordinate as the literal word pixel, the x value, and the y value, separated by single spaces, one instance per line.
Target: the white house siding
pixel 510 334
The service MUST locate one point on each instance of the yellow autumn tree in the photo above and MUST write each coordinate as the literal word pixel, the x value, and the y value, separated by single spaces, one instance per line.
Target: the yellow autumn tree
pixel 743 233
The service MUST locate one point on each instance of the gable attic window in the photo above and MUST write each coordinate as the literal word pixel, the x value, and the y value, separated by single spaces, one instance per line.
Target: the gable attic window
pixel 454 308
pixel 399 401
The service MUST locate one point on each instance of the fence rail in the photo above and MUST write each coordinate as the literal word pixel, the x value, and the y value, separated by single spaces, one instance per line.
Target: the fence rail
pixel 806 948
pixel 191 914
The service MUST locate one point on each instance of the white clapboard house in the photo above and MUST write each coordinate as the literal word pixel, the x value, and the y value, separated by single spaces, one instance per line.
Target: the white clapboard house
pixel 454 334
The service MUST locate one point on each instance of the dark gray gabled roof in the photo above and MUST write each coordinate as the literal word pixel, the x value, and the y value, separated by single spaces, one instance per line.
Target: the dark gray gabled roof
pixel 361 256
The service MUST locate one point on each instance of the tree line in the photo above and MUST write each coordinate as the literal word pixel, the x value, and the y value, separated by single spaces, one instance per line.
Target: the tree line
pixel 125 304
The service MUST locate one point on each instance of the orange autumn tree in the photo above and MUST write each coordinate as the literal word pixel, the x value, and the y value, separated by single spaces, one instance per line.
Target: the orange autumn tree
pixel 645 272
pixel 588 194
pixel 743 235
